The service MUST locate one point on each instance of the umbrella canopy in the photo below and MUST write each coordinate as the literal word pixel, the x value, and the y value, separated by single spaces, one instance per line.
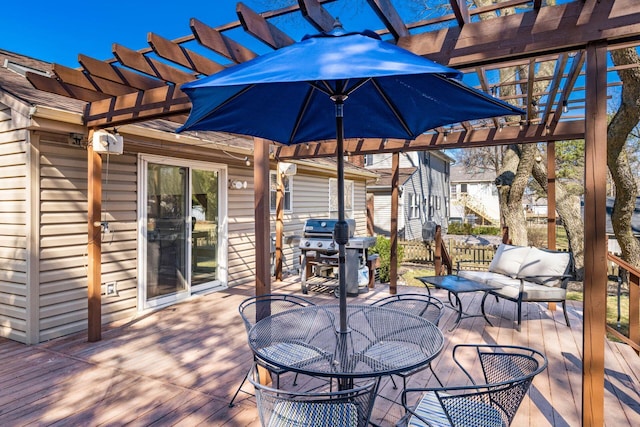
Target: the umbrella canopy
pixel 331 86
pixel 285 95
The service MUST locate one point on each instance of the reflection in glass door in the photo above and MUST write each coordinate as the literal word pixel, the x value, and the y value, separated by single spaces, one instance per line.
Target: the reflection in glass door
pixel 166 230
pixel 204 226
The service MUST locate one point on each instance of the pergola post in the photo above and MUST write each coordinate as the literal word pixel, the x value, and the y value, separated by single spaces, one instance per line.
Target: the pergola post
pixel 551 195
pixel 94 245
pixel 395 194
pixel 595 244
pixel 261 198
pixel 551 201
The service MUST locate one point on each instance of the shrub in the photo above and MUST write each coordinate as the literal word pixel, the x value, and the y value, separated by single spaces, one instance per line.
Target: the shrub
pixel 383 249
pixel 459 228
pixel 466 229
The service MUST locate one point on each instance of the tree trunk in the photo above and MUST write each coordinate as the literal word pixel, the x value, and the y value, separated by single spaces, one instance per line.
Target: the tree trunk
pixel 512 180
pixel 623 122
pixel 568 208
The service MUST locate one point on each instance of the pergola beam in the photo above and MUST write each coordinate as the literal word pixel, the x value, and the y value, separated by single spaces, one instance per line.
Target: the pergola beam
pixel 52 85
pixel 564 27
pixel 475 138
pixel 316 15
pixel 118 75
pixel 262 29
pixel 461 11
pixel 219 43
pixel 175 53
pixel 572 77
pixel 149 66
pixel 390 17
pixel 144 105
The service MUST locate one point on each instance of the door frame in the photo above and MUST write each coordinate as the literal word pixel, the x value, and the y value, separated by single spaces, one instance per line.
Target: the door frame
pixel 143 303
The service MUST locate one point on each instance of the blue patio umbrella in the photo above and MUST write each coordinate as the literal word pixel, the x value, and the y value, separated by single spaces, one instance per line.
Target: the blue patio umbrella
pixel 336 85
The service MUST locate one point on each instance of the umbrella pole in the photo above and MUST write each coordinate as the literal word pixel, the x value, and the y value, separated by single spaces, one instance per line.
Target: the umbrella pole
pixel 341 231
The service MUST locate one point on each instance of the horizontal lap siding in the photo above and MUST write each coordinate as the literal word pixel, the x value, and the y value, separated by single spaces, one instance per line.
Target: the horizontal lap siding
pixel 63 244
pixel 310 199
pixel 13 229
pixel 241 229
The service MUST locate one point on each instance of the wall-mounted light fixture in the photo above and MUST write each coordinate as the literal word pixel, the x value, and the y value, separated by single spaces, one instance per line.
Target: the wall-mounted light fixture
pixel 565 107
pixel 236 184
pixel 77 140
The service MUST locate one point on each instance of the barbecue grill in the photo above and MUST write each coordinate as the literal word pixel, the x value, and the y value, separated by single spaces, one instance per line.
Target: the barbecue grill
pixel 319 263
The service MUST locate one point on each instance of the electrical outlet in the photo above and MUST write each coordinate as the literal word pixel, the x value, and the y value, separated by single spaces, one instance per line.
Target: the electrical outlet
pixel 112 289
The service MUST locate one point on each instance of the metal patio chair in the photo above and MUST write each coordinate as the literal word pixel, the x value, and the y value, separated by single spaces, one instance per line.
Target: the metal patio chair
pixel 490 400
pixel 425 306
pixel 344 408
pixel 256 308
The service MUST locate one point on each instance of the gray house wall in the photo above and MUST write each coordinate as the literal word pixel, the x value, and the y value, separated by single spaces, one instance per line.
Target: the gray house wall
pixel 429 183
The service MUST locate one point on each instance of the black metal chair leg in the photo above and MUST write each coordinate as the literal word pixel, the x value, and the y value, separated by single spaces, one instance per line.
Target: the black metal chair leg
pixel 564 309
pixel 395 386
pixel 239 389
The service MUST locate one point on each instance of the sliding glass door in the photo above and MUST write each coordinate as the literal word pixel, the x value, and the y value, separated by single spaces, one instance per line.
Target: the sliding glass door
pixel 181 246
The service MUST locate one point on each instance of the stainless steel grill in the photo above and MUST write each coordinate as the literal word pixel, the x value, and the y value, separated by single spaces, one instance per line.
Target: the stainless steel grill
pixel 319 264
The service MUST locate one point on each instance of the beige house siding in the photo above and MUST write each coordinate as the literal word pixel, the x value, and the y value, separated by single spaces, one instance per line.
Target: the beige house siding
pixel 13 233
pixel 310 199
pixel 63 244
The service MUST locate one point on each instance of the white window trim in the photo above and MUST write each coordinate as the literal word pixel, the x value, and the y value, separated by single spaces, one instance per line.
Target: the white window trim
pixel 414 206
pixel 348 213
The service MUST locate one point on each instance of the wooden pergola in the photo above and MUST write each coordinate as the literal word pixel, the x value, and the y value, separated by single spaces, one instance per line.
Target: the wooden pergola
pixel 141 85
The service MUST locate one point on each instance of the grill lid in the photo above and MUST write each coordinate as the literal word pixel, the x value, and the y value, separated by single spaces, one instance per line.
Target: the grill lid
pixel 314 227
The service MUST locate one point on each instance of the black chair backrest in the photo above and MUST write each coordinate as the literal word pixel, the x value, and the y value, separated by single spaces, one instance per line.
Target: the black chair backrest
pixel 344 408
pixel 425 306
pixel 256 308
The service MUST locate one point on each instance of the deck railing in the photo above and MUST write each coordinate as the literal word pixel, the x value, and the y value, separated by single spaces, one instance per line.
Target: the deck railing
pixel 629 273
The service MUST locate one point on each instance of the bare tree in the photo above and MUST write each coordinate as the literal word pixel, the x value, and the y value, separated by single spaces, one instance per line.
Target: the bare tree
pixel 621 126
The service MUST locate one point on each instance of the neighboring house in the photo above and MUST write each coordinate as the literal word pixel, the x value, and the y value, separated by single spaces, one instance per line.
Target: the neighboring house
pixel 177 211
pixel 424 192
pixel 474 196
pixel 613 245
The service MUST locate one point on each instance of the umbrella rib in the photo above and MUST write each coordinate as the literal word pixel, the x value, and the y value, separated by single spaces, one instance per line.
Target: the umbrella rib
pixel 222 104
pixel 467 89
pixel 303 110
pixel 393 108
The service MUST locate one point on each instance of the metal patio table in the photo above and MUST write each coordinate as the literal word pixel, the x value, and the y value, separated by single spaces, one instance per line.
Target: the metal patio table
pixel 458 285
pixel 379 341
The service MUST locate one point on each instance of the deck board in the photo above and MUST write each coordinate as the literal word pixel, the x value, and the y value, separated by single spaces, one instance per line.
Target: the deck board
pixel 181 365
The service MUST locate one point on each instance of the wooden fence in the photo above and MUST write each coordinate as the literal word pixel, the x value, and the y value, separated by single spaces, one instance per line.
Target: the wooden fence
pixel 417 252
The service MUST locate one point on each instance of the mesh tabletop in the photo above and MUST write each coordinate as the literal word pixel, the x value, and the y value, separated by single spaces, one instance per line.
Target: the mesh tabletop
pixel 380 341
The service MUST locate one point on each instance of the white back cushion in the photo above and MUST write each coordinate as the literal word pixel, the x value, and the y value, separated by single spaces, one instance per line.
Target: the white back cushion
pixel 544 263
pixel 508 259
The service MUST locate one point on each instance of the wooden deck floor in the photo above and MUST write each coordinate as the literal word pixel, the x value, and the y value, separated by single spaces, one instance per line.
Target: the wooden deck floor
pixel 180 366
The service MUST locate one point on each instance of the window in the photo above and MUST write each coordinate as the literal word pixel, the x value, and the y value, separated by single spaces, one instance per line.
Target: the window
pixel 368 159
pixel 273 191
pixel 437 202
pixel 463 188
pixel 414 206
pixel 333 198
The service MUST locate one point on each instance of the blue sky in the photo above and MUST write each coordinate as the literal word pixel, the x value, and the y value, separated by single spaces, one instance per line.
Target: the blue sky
pixel 57 31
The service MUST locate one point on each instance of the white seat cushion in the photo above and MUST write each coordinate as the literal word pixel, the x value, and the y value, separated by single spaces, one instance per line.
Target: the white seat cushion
pixel 508 259
pixel 544 263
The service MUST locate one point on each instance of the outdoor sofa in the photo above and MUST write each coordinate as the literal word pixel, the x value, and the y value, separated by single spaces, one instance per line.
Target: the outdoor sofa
pixel 526 274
